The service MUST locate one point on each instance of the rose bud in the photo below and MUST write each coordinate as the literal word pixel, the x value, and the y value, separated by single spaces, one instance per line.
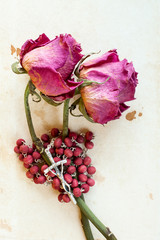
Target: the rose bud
pixel 50 63
pixel 106 101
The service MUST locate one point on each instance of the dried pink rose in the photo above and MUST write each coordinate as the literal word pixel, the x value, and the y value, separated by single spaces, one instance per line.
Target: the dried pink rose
pixel 50 64
pixel 105 102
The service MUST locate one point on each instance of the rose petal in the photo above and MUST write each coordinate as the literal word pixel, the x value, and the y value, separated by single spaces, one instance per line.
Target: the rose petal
pixel 122 78
pixel 54 55
pixel 100 106
pixel 63 97
pixel 49 65
pixel 70 94
pixel 54 85
pixel 31 44
pixel 122 107
pixel 110 56
pixel 73 56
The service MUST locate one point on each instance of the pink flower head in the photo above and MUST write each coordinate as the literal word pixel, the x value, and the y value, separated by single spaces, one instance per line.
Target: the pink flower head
pixel 50 64
pixel 105 102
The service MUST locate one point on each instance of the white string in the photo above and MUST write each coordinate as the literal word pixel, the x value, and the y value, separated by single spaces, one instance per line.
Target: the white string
pixel 59 174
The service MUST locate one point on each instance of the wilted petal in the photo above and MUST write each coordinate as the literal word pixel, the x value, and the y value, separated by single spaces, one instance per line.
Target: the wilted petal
pixel 32 44
pixel 122 107
pixel 100 106
pixel 51 65
pixel 51 55
pixel 73 56
pixel 122 78
pixel 64 96
pixel 110 56
pixel 54 85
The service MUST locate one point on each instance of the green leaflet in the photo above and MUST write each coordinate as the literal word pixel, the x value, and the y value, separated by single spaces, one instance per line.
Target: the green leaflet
pixel 83 111
pixel 49 100
pixel 73 107
pixel 77 67
pixel 76 91
pixel 31 87
pixel 33 92
pixel 16 69
pixel 88 82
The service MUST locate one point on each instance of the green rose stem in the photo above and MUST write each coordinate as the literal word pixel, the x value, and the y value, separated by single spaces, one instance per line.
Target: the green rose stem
pixel 35 140
pixel 84 220
pixel 39 145
pixel 96 222
pixel 65 118
pixel 80 202
pixel 85 224
pixel 86 213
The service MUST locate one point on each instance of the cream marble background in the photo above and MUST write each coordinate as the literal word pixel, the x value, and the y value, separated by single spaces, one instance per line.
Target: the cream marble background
pixel 127 192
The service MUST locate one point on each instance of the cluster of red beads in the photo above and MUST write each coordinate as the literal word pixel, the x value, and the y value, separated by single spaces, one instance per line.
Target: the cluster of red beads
pixel 32 160
pixel 77 171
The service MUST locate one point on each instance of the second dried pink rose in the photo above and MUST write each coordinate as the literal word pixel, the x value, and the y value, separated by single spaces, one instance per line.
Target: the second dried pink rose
pixel 105 102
